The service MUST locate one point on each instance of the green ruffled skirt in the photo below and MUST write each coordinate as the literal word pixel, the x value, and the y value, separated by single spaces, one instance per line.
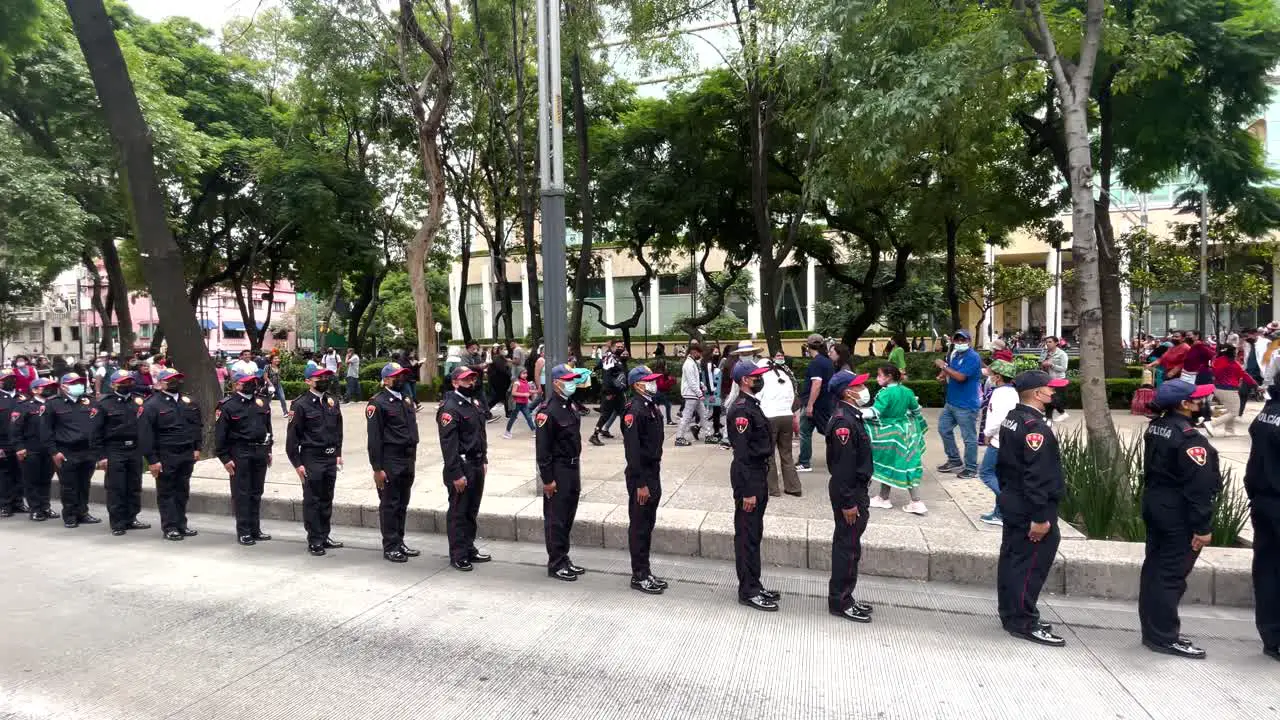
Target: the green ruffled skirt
pixel 897 450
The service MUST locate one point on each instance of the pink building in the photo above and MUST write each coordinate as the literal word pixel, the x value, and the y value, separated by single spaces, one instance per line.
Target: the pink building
pixel 218 314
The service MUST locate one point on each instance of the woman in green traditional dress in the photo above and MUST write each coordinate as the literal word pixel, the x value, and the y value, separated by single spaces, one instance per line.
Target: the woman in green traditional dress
pixel 897 432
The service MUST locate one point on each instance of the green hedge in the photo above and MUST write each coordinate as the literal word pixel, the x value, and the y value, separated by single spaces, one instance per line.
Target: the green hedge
pixel 368 388
pixel 1119 392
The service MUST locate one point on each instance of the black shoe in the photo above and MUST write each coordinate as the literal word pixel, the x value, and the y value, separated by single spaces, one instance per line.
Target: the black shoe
pixel 966 474
pixel 866 607
pixel 331 544
pixel 6 512
pixel 395 556
pixel 174 535
pixel 759 602
pixel 259 535
pixel 658 581
pixel 39 516
pixel 797 493
pixel 87 519
pixel 480 557
pixel 562 574
pixel 854 613
pixel 316 550
pixel 773 595
pixel 950 467
pixel 1178 648
pixel 575 569
pixel 70 523
pixel 646 585
pixel 247 540
pixel 463 565
pixel 595 440
pixel 1044 626
pixel 408 551
pixel 681 442
pixel 606 434
pixel 1039 635
pixel 117 531
pixel 188 532
pixel 138 525
pixel 1273 653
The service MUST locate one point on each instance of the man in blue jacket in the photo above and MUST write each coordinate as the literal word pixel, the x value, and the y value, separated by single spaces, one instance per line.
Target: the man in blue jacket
pixel 962 373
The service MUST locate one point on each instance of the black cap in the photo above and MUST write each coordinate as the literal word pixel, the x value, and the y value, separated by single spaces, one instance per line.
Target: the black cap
pixel 1032 379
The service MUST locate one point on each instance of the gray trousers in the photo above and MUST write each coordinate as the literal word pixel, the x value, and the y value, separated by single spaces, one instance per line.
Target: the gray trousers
pixel 781 431
pixel 693 407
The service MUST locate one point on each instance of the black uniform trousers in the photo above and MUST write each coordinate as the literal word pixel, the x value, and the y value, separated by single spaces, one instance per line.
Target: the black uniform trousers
pixel 173 488
pixel 247 484
pixel 558 512
pixel 640 528
pixel 37 477
pixel 846 553
pixel 464 507
pixel 73 484
pixel 748 529
pixel 10 482
pixel 393 498
pixel 321 465
pixel 124 485
pixel 611 407
pixel 1023 567
pixel 1266 569
pixel 1165 569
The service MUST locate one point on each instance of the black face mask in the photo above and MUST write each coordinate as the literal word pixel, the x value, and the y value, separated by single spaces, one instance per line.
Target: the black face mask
pixel 323 385
pixel 47 392
pixel 756 384
pixel 249 388
pixel 468 390
pixel 398 385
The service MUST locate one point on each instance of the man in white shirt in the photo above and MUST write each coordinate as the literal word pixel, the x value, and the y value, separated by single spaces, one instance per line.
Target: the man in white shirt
pixel 331 360
pixel 1003 399
pixel 777 401
pixel 692 391
pixel 245 364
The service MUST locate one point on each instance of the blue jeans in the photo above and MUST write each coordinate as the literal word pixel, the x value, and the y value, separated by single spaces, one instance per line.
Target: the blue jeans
pixel 806 439
pixel 967 421
pixel 353 389
pixel 521 409
pixel 280 397
pixel 662 399
pixel 988 474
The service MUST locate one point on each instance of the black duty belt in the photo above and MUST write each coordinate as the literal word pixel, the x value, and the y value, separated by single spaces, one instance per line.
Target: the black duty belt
pixel 319 450
pixel 568 462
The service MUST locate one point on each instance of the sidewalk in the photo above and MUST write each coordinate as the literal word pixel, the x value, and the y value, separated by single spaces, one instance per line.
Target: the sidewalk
pixel 948 544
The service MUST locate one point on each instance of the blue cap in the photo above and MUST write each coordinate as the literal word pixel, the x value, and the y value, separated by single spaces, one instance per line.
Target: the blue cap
pixel 239 376
pixel 315 371
pixel 843 379
pixel 122 375
pixel 42 382
pixel 563 373
pixel 164 374
pixel 71 379
pixel 1172 392
pixel 962 333
pixel 746 368
pixel 641 374
pixel 393 369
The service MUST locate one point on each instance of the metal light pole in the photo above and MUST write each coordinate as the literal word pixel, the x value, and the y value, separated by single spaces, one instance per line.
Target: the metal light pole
pixel 1204 261
pixel 551 166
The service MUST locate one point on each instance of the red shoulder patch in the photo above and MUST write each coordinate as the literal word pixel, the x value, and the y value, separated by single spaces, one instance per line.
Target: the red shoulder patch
pixel 843 434
pixel 628 419
pixel 445 419
pixel 140 409
pixel 540 419
pixel 1198 455
pixel 370 410
pixel 13 416
pixel 41 410
pixel 742 422
pixel 1035 441
pixel 93 412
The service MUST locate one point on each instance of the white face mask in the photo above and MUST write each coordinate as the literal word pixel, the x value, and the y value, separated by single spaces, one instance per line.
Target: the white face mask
pixel 961 347
pixel 651 387
pixel 864 397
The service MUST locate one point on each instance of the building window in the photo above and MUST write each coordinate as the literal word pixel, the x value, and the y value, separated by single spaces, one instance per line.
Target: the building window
pixel 145 331
pixel 35 334
pixel 232 334
pixel 280 334
pixel 595 288
pixel 681 284
pixel 75 334
pixel 515 291
pixel 277 306
pixel 228 302
pixel 57 334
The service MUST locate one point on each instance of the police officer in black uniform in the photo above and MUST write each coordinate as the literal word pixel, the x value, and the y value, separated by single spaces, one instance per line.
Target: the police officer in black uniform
pixel 313 444
pixel 559 447
pixel 1181 480
pixel 1262 483
pixel 242 437
pixel 170 432
pixel 1031 485
pixel 752 443
pixel 33 445
pixel 74 426
pixel 11 502
pixel 393 448
pixel 464 446
pixel 120 451
pixel 642 437
pixel 849 461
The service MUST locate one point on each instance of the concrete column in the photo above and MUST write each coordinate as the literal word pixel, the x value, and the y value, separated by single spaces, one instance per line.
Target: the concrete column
pixel 608 291
pixel 527 320
pixel 754 324
pixel 1024 318
pixel 811 299
pixel 455 317
pixel 655 324
pixel 486 302
pixel 1051 317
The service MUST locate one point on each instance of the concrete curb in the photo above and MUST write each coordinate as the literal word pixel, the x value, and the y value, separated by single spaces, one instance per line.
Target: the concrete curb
pixel 1088 568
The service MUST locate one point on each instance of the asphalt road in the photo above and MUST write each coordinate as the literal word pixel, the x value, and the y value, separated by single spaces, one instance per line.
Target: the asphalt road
pixel 134 628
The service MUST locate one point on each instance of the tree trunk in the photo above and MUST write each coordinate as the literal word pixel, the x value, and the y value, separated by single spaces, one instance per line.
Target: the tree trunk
pixel 100 308
pixel 770 275
pixel 1113 308
pixel 519 31
pixel 953 296
pixel 161 259
pixel 581 277
pixel 118 291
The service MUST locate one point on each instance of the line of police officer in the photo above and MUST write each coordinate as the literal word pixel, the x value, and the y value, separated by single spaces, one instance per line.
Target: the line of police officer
pixel 58 428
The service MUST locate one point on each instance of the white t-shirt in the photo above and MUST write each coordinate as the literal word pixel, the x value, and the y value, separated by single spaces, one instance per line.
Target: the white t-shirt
pixel 353 366
pixel 1003 399
pixel 778 394
pixel 244 366
pixel 331 362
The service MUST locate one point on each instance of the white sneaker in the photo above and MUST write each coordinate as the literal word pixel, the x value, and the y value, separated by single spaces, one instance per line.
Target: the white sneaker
pixel 879 502
pixel 506 435
pixel 916 508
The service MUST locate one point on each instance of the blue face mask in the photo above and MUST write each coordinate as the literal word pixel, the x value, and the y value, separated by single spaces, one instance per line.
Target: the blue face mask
pixel 75 391
pixel 568 389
